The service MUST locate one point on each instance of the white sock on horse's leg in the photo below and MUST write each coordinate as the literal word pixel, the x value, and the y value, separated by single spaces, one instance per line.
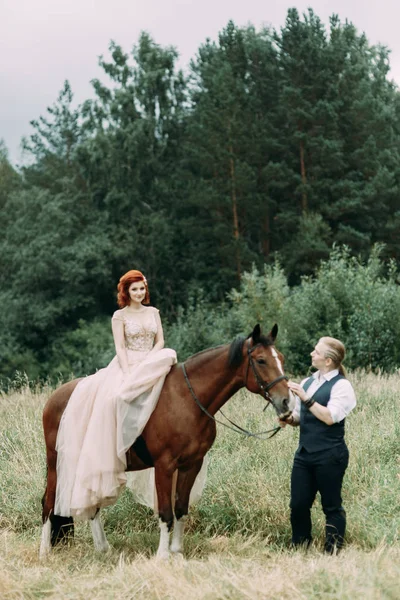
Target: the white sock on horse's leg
pixel 177 534
pixel 99 537
pixel 163 548
pixel 45 541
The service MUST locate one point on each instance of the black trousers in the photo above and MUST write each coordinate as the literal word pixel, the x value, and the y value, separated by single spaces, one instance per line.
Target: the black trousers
pixel 322 472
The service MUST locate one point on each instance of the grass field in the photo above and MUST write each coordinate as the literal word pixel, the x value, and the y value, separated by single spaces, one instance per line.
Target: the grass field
pixel 237 541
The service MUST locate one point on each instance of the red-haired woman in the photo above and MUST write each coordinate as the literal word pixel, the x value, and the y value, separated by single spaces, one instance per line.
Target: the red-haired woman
pixel 109 410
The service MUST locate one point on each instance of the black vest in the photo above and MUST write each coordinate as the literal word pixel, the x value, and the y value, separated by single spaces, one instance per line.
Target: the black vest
pixel 316 435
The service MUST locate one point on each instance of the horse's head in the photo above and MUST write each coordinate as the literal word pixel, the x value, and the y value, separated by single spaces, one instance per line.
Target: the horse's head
pixel 262 366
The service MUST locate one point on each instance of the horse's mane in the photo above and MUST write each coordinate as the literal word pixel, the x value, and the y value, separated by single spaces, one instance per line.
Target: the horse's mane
pixel 235 356
pixel 205 351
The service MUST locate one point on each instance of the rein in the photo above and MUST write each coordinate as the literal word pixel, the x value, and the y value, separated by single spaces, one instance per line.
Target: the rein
pixel 264 388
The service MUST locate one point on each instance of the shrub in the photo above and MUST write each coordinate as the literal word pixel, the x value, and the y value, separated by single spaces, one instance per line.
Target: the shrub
pixel 200 326
pixel 82 351
pixel 355 301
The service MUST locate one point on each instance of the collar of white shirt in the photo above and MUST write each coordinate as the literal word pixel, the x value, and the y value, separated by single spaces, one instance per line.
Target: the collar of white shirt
pixel 322 377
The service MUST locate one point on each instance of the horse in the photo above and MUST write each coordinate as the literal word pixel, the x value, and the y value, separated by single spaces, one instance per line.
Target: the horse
pixel 179 433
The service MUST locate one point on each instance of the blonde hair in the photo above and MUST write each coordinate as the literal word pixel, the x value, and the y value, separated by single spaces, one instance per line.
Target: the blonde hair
pixel 336 351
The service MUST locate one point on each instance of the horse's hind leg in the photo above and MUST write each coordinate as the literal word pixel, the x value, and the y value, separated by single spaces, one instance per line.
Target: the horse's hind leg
pixel 55 528
pixel 166 516
pixel 184 485
pixel 45 540
pixel 48 505
pixel 99 537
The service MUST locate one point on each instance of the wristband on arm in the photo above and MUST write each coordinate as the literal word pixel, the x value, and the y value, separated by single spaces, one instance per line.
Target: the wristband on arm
pixel 309 402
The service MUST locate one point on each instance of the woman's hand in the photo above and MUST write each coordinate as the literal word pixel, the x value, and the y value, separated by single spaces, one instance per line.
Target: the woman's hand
pixel 297 389
pixel 321 412
pixel 289 421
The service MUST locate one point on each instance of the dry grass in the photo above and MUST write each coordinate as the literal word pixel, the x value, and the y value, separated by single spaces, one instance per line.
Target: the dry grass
pixel 237 541
pixel 233 568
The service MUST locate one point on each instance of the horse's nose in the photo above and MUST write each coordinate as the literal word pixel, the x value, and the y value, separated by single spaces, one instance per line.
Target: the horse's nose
pixel 285 403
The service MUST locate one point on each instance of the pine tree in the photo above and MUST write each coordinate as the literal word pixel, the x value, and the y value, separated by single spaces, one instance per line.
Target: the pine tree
pixel 10 179
pixel 225 182
pixel 131 157
pixel 53 145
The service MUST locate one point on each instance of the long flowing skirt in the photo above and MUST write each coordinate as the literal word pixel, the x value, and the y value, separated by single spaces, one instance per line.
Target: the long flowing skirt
pixel 103 418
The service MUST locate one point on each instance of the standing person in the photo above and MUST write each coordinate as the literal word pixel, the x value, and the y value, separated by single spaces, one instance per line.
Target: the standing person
pixel 107 411
pixel 324 401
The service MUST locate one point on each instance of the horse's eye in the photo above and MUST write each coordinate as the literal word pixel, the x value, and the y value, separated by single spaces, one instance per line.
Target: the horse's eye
pixel 261 361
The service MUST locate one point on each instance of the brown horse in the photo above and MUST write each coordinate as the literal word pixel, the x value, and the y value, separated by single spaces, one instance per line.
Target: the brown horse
pixel 180 431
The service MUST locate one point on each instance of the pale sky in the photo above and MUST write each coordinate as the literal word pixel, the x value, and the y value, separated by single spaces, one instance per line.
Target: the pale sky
pixel 44 42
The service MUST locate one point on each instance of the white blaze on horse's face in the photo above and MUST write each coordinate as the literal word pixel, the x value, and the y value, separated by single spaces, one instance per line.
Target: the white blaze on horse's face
pixel 278 362
pixel 275 362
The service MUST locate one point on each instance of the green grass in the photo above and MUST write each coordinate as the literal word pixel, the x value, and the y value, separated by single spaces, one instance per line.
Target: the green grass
pixel 237 541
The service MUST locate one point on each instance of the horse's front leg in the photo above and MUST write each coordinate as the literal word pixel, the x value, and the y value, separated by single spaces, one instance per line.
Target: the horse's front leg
pixel 186 479
pixel 99 537
pixel 163 479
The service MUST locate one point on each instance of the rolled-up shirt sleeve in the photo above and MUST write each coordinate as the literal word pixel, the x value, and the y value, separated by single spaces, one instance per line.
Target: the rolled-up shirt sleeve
pixel 342 400
pixel 296 410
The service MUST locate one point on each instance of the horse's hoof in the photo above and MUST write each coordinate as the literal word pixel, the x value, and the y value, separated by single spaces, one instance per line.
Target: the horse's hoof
pixel 45 541
pixel 103 549
pixel 43 554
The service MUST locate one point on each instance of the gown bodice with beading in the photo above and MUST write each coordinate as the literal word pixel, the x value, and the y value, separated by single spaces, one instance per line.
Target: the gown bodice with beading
pixel 140 330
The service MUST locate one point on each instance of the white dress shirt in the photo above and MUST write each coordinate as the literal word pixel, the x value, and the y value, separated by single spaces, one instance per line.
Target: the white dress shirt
pixel 342 400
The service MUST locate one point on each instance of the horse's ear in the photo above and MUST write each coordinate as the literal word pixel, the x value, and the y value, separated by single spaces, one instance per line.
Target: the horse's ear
pixel 255 336
pixel 274 332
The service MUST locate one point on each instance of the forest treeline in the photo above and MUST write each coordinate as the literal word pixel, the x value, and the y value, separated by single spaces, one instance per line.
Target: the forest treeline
pixel 273 144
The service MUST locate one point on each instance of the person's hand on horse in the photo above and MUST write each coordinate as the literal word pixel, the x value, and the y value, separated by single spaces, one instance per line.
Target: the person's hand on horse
pixel 298 390
pixel 283 422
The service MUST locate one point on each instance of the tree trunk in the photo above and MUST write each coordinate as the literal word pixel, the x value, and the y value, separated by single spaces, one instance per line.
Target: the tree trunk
pixel 304 201
pixel 266 242
pixel 236 234
pixel 234 201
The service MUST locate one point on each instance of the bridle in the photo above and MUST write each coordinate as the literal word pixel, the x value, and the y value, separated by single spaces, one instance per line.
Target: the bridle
pixel 264 389
pixel 263 385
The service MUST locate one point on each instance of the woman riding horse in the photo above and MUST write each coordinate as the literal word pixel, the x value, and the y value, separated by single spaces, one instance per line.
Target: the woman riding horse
pixel 111 422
